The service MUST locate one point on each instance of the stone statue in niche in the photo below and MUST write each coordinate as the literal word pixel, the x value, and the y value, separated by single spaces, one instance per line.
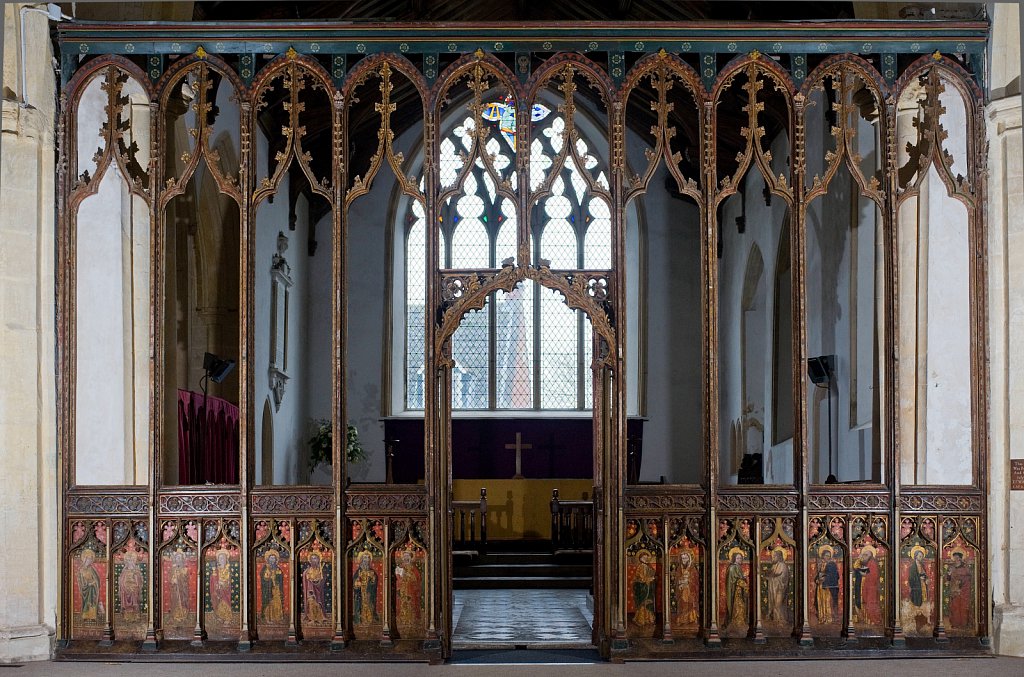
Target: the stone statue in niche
pixel 281 282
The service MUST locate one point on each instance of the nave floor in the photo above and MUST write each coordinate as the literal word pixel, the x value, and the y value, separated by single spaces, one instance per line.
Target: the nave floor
pixel 532 619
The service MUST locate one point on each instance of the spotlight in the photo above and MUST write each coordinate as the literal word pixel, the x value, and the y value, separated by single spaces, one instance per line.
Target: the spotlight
pixel 217 368
pixel 821 370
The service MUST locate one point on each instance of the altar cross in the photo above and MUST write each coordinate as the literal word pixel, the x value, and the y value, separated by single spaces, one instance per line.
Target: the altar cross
pixel 519 446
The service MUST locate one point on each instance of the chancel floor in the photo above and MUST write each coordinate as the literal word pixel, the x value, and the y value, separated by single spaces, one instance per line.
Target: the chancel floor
pixel 530 619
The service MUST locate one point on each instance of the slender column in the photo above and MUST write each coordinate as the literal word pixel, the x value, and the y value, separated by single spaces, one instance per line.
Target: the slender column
pixel 755 592
pixel 666 582
pixel 339 220
pixel 893 363
pixel 108 621
pixel 247 350
pixel 940 630
pixel 385 634
pixel 198 633
pixel 709 302
pixel 851 632
pixel 293 597
pixel 156 328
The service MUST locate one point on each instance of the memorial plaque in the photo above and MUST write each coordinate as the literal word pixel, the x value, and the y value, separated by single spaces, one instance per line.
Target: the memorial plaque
pixel 1017 474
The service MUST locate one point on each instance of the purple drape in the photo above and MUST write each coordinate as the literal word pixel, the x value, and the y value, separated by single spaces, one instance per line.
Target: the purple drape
pixel 207 439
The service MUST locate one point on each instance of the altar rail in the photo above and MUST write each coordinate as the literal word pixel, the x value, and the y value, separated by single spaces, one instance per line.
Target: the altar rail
pixel 572 525
pixel 474 515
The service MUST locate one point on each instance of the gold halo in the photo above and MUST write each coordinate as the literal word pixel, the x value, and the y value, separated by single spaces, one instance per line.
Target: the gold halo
pixel 642 552
pixel 736 550
pixel 781 550
pixel 90 552
pixel 271 551
pixel 917 549
pixel 958 550
pixel 826 548
pixel 870 549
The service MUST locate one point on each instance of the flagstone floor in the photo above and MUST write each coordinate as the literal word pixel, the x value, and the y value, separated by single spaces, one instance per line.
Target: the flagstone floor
pixel 531 619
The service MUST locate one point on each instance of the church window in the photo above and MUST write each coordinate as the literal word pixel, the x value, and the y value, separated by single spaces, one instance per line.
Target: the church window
pixel 525 349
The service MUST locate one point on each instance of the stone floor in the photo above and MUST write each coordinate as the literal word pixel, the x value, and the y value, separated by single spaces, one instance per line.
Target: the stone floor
pixel 531 619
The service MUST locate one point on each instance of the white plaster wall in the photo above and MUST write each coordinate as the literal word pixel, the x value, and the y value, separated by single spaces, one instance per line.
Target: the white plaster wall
pixel 947 452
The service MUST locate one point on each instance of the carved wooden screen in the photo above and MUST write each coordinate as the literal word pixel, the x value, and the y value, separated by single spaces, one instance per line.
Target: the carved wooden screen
pixel 154 565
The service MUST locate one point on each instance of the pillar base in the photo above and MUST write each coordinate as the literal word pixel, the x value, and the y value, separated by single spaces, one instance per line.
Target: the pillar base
pixel 1008 629
pixel 26 643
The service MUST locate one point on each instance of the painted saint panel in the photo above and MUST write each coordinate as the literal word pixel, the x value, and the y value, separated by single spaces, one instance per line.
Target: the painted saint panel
pixel 366 578
pixel 686 559
pixel 409 569
pixel 870 578
pixel 316 578
pixel 89 581
pixel 776 559
pixel 917 577
pixel 643 577
pixel 273 579
pixel 179 570
pixel 221 608
pixel 959 577
pixel 734 556
pixel 131 590
pixel 826 572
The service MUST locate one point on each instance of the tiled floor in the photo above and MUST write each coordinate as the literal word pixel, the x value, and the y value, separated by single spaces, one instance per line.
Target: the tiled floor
pixel 521 618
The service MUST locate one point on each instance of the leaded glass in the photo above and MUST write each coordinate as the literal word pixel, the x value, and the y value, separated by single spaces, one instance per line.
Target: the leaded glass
pixel 597 243
pixel 559 352
pixel 514 347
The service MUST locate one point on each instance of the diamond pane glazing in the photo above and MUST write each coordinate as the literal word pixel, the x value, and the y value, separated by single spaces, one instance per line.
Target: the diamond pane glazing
pixel 514 347
pixel 559 352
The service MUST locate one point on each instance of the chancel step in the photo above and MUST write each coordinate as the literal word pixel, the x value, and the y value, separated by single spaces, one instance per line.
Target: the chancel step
pixel 523 569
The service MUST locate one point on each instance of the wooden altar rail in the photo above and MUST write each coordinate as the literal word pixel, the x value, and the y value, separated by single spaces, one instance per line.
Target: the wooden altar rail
pixel 476 541
pixel 572 525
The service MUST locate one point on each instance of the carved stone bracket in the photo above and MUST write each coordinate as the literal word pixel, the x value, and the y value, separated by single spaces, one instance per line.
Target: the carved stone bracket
pixel 292 504
pixel 209 504
pixel 108 504
pixel 848 502
pixel 756 503
pixel 944 502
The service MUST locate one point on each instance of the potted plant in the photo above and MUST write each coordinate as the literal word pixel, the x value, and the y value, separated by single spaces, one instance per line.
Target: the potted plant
pixel 321 443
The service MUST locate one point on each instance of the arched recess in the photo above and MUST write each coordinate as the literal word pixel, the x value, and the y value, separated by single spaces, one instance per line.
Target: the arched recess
pixel 752 97
pixel 200 300
pixel 938 203
pixel 844 264
pixel 462 293
pixel 106 241
pixel 293 227
pixel 663 137
pixel 265 470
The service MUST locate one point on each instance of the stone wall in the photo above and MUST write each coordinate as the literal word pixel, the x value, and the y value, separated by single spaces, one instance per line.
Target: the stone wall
pixel 28 425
